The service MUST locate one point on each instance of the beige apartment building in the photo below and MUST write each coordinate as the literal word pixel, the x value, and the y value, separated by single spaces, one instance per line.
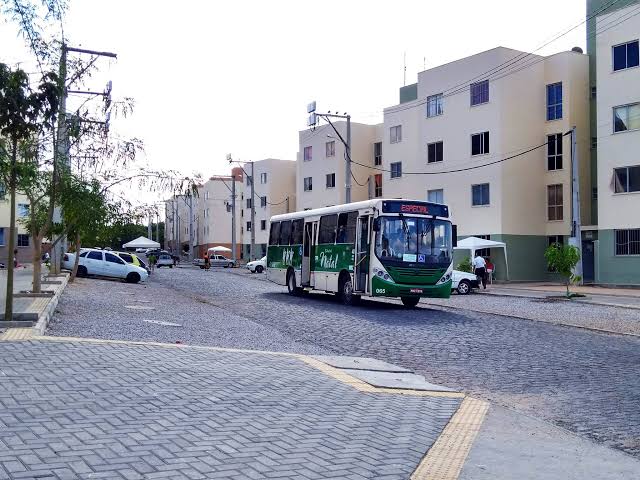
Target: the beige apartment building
pixel 23 239
pixel 616 243
pixel 320 176
pixel 275 193
pixel 459 117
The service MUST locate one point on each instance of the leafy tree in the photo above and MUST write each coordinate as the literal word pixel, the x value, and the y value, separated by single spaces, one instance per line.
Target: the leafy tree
pixel 465 265
pixel 563 259
pixel 23 114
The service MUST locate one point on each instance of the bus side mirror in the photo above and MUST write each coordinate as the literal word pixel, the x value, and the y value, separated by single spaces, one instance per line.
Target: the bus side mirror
pixel 376 224
pixel 454 235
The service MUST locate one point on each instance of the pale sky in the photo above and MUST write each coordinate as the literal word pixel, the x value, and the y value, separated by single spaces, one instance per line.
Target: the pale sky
pixel 212 78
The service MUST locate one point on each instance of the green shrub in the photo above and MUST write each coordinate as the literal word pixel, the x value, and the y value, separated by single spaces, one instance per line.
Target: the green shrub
pixel 465 265
pixel 563 259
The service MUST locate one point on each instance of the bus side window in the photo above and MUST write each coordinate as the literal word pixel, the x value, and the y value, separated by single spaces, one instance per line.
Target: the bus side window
pixel 285 232
pixel 274 233
pixel 296 231
pixel 347 227
pixel 327 233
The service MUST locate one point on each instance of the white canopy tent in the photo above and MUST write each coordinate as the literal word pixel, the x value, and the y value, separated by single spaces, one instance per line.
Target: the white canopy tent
pixel 219 249
pixel 141 242
pixel 474 243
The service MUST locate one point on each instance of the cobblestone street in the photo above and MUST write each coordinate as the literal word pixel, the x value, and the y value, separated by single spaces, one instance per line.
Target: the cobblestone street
pixel 581 380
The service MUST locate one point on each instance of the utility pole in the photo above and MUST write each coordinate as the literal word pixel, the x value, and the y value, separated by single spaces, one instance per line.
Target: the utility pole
pixel 313 121
pixel 158 227
pixel 287 205
pixel 62 149
pixel 347 184
pixel 233 218
pixel 149 232
pixel 253 215
pixel 576 233
pixel 190 227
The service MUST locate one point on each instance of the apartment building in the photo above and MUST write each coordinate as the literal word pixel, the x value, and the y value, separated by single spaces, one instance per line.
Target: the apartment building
pixel 275 193
pixel 177 223
pixel 213 222
pixel 616 136
pixel 321 164
pixel 23 239
pixel 459 117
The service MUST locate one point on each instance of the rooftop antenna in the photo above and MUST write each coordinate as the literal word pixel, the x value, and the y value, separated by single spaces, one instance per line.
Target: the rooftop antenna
pixel 424 63
pixel 405 68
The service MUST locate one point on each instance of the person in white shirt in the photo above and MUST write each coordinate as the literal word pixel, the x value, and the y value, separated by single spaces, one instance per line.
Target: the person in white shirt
pixel 480 267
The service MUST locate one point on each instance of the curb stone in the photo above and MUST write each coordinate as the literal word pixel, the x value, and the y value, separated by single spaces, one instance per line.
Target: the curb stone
pixel 43 319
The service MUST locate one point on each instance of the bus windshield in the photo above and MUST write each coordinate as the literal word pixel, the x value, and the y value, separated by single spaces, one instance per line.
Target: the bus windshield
pixel 414 240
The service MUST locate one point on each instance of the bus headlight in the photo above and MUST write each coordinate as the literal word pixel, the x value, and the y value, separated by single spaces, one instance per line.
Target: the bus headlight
pixel 380 272
pixel 446 277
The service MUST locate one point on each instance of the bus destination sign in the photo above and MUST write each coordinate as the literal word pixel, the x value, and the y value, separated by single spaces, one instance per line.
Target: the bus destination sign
pixel 415 208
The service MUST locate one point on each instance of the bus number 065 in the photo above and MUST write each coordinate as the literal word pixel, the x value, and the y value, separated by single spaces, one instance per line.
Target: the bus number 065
pixel 380 290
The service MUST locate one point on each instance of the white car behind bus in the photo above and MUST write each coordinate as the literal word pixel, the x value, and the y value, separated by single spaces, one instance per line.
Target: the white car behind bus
pixel 463 282
pixel 258 266
pixel 104 264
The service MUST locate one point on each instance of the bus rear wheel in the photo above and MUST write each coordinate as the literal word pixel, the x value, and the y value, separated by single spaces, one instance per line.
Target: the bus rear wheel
pixel 410 302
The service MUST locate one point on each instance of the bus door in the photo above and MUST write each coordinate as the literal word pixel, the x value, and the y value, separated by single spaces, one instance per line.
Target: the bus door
pixel 308 251
pixel 363 239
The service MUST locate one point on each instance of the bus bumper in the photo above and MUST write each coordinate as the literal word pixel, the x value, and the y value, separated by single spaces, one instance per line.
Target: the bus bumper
pixel 382 288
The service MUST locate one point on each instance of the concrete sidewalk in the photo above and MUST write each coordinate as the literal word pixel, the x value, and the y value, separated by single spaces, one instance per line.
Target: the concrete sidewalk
pixel 80 408
pixel 618 297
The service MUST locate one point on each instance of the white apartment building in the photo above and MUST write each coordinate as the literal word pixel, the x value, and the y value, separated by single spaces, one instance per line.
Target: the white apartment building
pixel 275 193
pixel 321 164
pixel 213 217
pixel 459 116
pixel 23 240
pixel 617 136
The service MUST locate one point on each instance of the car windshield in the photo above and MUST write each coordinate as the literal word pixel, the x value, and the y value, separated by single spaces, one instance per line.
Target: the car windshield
pixel 414 240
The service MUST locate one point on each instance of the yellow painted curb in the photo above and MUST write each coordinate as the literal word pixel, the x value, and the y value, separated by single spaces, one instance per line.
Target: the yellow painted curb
pixel 446 457
pixel 13 334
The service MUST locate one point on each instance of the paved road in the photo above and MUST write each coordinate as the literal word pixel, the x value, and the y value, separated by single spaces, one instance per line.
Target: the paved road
pixel 584 381
pixel 79 410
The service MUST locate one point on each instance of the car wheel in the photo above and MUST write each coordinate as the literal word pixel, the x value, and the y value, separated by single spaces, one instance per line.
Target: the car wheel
pixel 291 283
pixel 82 271
pixel 259 269
pixel 170 266
pixel 410 301
pixel 230 265
pixel 133 278
pixel 464 287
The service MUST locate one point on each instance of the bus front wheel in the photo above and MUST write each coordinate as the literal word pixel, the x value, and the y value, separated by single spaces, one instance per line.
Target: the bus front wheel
pixel 410 301
pixel 291 283
pixel 345 290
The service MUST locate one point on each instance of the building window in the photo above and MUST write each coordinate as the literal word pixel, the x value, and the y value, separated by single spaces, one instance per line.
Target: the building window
pixel 626 117
pixel 263 178
pixel 625 56
pixel 23 210
pixel 555 239
pixel 594 193
pixel 626 179
pixel 248 226
pixel 308 184
pixel 594 143
pixel 434 152
pixel 3 191
pixel 248 180
pixel 206 195
pixel 554 101
pixel 594 92
pixel 480 143
pixel 479 92
pixel 396 134
pixel 263 201
pixel 628 241
pixel 263 224
pixel 23 240
pixel 554 202
pixel 554 151
pixel 249 203
pixel 480 194
pixel 330 149
pixel 378 185
pixel 484 252
pixel 435 196
pixel 331 180
pixel 308 153
pixel 434 105
pixel 377 153
pixel 396 170
pixel 1 236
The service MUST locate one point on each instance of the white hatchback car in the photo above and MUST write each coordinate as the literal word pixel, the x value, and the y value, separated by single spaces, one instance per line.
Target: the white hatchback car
pixel 104 264
pixel 463 282
pixel 257 266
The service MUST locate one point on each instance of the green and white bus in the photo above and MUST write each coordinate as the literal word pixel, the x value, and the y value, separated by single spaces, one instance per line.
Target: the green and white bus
pixel 376 248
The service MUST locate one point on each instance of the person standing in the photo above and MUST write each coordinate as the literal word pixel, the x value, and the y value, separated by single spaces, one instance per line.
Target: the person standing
pixel 480 268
